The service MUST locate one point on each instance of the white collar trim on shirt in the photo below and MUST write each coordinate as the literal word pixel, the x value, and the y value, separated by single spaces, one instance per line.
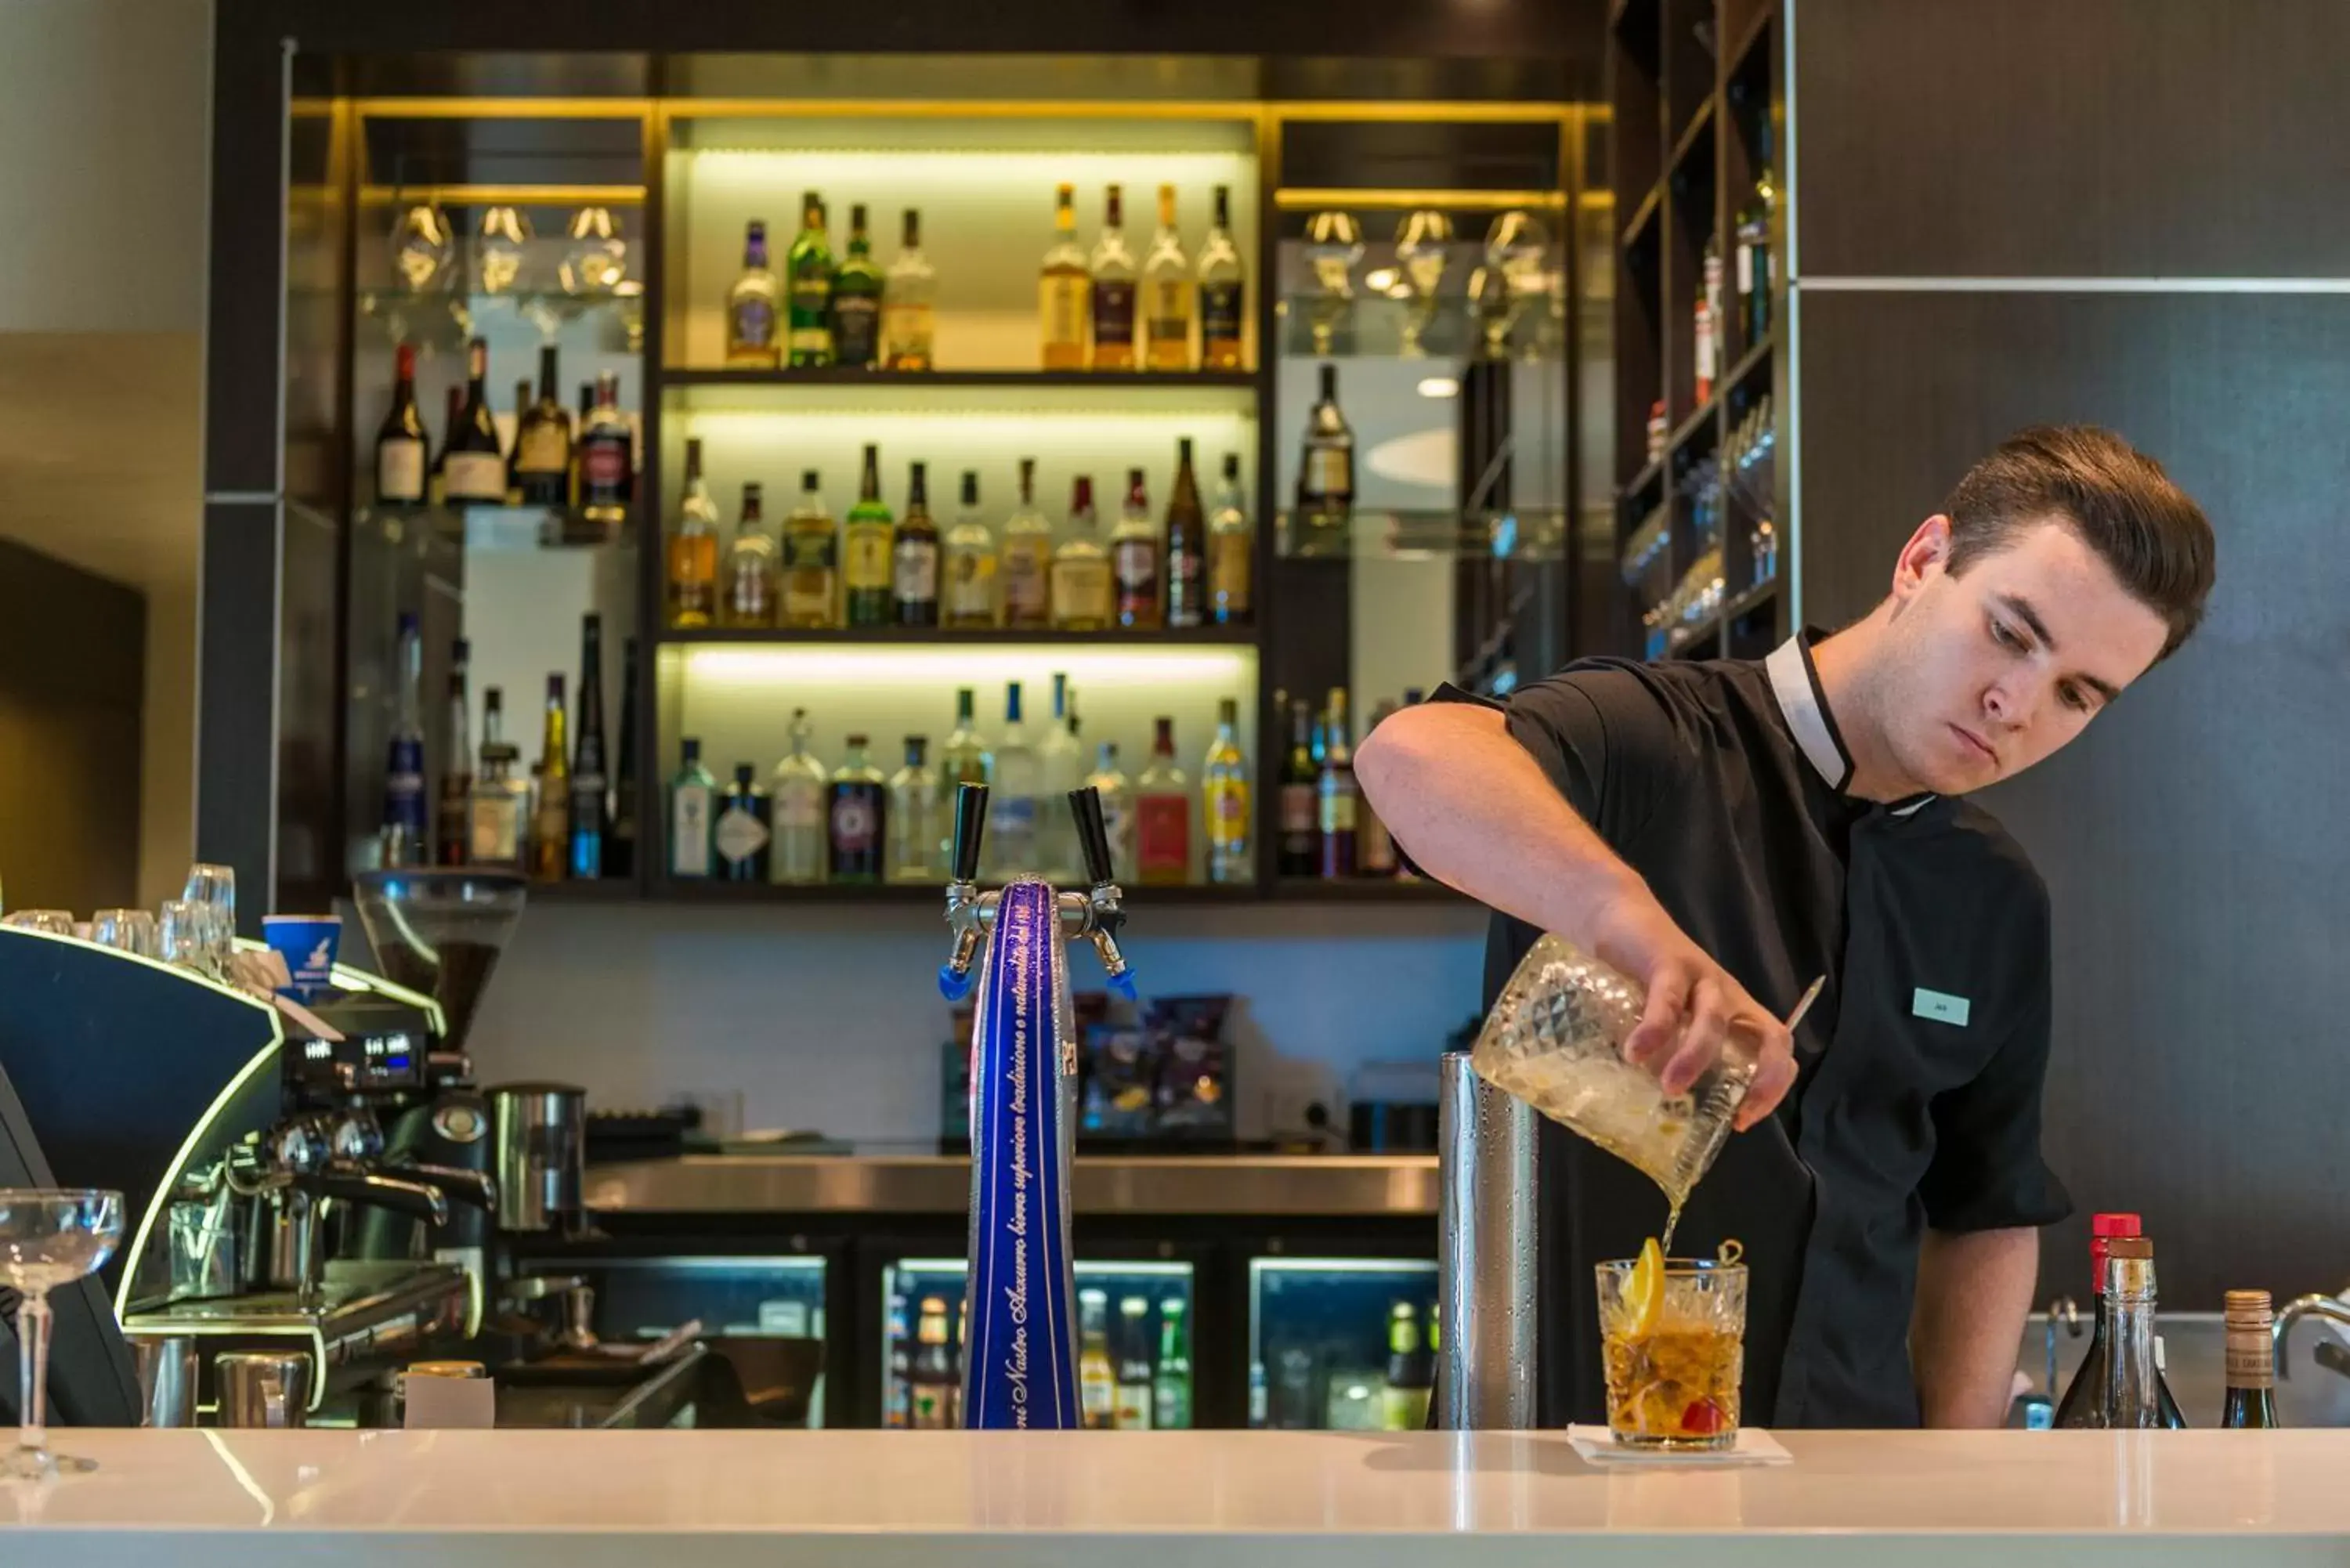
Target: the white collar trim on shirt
pixel 1790 668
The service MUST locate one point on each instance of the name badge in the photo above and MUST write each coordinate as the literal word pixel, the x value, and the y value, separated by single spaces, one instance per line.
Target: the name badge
pixel 1940 1006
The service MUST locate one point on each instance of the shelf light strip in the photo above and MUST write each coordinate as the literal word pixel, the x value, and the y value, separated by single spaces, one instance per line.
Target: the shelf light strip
pixel 512 195
pixel 1369 110
pixel 1313 198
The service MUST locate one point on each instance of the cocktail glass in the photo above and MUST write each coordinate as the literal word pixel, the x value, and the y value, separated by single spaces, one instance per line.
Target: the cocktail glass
pixel 48 1238
pixel 1673 1345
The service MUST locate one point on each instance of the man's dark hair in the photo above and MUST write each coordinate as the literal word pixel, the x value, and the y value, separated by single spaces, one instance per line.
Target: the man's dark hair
pixel 2148 531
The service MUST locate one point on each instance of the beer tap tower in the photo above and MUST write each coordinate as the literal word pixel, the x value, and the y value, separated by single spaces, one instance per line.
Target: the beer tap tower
pixel 1020 1348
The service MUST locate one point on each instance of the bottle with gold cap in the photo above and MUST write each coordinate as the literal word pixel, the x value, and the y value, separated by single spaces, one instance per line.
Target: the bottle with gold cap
pixel 2251 1361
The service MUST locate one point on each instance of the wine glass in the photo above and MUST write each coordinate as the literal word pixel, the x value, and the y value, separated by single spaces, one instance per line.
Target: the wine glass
pixel 48 1238
pixel 503 234
pixel 131 930
pixel 597 257
pixel 421 245
pixel 1423 247
pixel 1518 247
pixel 1334 248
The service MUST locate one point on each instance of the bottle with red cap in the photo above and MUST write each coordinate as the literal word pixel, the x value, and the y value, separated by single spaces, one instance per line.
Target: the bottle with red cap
pixel 2084 1401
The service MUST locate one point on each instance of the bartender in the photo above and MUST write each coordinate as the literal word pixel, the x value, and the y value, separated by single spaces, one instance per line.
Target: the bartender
pixel 1724 832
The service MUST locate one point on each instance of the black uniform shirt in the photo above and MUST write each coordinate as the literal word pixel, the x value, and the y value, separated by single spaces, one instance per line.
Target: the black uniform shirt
pixel 1918 1101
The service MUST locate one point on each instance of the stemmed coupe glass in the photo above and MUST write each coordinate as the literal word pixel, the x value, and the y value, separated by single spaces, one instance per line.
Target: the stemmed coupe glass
pixel 48 1238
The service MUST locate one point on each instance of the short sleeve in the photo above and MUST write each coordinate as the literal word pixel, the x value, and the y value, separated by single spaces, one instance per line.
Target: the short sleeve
pixel 1603 736
pixel 1987 1173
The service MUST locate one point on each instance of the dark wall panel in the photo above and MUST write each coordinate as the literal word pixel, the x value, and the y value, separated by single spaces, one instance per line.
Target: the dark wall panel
pixel 2090 138
pixel 236 706
pixel 2193 840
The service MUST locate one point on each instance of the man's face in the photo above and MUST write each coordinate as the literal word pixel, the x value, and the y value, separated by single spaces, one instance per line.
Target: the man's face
pixel 1992 670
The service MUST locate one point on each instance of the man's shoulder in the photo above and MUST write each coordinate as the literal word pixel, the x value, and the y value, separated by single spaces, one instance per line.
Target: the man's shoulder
pixel 1688 691
pixel 1998 860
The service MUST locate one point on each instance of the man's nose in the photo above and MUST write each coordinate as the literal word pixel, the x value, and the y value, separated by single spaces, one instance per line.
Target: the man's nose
pixel 2003 706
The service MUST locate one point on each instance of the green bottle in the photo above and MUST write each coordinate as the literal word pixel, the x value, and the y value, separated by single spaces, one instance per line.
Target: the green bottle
pixel 869 539
pixel 808 272
pixel 691 794
pixel 857 300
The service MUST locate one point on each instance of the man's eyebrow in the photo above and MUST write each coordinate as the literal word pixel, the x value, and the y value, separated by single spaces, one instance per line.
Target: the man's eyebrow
pixel 2021 609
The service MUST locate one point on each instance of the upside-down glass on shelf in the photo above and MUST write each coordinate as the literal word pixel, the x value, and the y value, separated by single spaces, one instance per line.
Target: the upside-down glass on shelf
pixel 1672 1336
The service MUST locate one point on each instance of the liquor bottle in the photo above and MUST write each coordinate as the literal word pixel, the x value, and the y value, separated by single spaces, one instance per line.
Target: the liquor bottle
pixel 811 572
pixel 2251 1361
pixel 965 760
pixel 1706 337
pixel 1117 809
pixel 1096 1372
pixel 1081 587
pixel 1111 268
pixel 856 808
pixel 914 558
pixel 472 466
pixel 1011 806
pixel 1063 290
pixel 808 285
pixel 798 791
pixel 436 486
pixel 498 823
pixel 587 412
pixel 1224 799
pixel 621 844
pixel 747 596
pixel 752 341
pixel 400 442
pixel 1300 833
pixel 1170 1388
pixel 1375 850
pixel 1223 291
pixel 1231 551
pixel 1168 289
pixel 1338 796
pixel 452 812
pixel 591 807
pixel 691 795
pixel 1752 229
pixel 401 841
pixel 1186 545
pixel 1135 548
pixel 510 438
pixel 2130 1396
pixel 969 592
pixel 1131 1411
pixel 908 302
pixel 936 1390
pixel 857 300
pixel 693 551
pixel 2084 1401
pixel 607 456
pixel 1411 1374
pixel 868 536
pixel 1060 765
pixel 914 817
pixel 550 830
pixel 740 833
pixel 1162 813
pixel 1326 471
pixel 1026 563
pixel 541 453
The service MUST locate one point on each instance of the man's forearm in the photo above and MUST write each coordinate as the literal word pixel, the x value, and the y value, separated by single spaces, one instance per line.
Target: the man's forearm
pixel 1974 1291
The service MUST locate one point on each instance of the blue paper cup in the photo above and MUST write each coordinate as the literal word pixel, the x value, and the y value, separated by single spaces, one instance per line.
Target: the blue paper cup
pixel 309 944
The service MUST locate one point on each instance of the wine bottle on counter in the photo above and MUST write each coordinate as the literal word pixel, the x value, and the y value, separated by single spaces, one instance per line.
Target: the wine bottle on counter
pixel 2083 1405
pixel 399 444
pixel 2250 1322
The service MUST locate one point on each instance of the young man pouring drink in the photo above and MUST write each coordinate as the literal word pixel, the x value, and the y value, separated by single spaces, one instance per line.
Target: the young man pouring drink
pixel 1721 832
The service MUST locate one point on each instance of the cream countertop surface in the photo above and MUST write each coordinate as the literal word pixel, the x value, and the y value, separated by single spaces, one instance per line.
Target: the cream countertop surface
pixel 583 1499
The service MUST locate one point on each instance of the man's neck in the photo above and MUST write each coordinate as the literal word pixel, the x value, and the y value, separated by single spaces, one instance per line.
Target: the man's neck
pixel 1844 662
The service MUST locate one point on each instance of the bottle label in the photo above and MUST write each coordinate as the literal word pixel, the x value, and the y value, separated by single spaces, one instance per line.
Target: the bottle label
pixel 1163 827
pixel 906 333
pixel 752 322
pixel 1185 573
pixel 473 476
pixel 811 330
pixel 1113 314
pixel 604 466
pixel 970 585
pixel 1229 565
pixel 867 557
pixel 2251 1362
pixel 1219 311
pixel 915 579
pixel 1026 591
pixel 738 836
pixel 855 825
pixel 799 805
pixel 399 471
pixel 810 551
pixel 1061 301
pixel 1298 808
pixel 1745 267
pixel 1135 565
pixel 403 786
pixel 1170 314
pixel 855 328
pixel 1338 811
pixel 689 831
pixel 496 830
pixel 1329 470
pixel 1081 590
pixel 542 448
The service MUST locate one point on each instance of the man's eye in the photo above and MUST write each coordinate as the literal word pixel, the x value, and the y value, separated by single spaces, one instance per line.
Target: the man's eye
pixel 2078 699
pixel 2005 636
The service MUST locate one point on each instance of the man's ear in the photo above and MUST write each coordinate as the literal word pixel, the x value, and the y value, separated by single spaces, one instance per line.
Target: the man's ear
pixel 1924 557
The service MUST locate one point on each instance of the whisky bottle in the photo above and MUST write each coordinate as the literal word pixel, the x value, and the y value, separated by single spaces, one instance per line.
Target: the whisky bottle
pixel 748 599
pixel 400 443
pixel 591 807
pixel 550 834
pixel 693 551
pixel 1026 561
pixel 1337 795
pixel 1231 550
pixel 1301 834
pixel 857 300
pixel 1064 292
pixel 858 811
pixel 914 558
pixel 1223 291
pixel 811 564
pixel 1186 561
pixel 607 457
pixel 1162 812
pixel 473 467
pixel 691 797
pixel 1111 268
pixel 542 449
pixel 868 536
pixel 969 591
pixel 908 302
pixel 2251 1323
pixel 499 820
pixel 1081 586
pixel 1135 548
pixel 797 789
pixel 808 274
pixel 739 836
pixel 1224 799
pixel 751 340
pixel 1167 290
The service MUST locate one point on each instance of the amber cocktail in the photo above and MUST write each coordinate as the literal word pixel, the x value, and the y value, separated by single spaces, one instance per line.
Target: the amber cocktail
pixel 1672 1336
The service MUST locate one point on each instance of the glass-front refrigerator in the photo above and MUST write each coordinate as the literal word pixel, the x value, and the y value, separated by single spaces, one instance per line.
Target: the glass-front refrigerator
pixel 1341 1344
pixel 734 1297
pixel 1134 1342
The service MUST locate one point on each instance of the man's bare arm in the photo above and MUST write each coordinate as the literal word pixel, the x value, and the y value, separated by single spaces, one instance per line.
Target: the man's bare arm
pixel 1974 1291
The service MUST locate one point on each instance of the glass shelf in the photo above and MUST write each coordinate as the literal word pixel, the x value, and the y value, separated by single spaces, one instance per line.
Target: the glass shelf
pixel 508 528
pixel 445 319
pixel 838 376
pixel 1524 533
pixel 929 637
pixel 1372 325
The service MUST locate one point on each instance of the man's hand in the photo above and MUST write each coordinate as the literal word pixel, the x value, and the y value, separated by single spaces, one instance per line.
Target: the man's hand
pixel 1695 1011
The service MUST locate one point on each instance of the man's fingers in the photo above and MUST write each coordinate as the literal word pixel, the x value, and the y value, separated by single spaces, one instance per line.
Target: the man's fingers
pixel 1702 1036
pixel 1774 1075
pixel 1660 1019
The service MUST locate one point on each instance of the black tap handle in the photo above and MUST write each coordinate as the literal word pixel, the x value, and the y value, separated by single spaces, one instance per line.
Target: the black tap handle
pixel 476 1189
pixel 971 817
pixel 1093 835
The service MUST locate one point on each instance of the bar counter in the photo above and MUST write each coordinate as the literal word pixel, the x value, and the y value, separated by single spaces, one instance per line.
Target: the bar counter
pixel 881 1500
